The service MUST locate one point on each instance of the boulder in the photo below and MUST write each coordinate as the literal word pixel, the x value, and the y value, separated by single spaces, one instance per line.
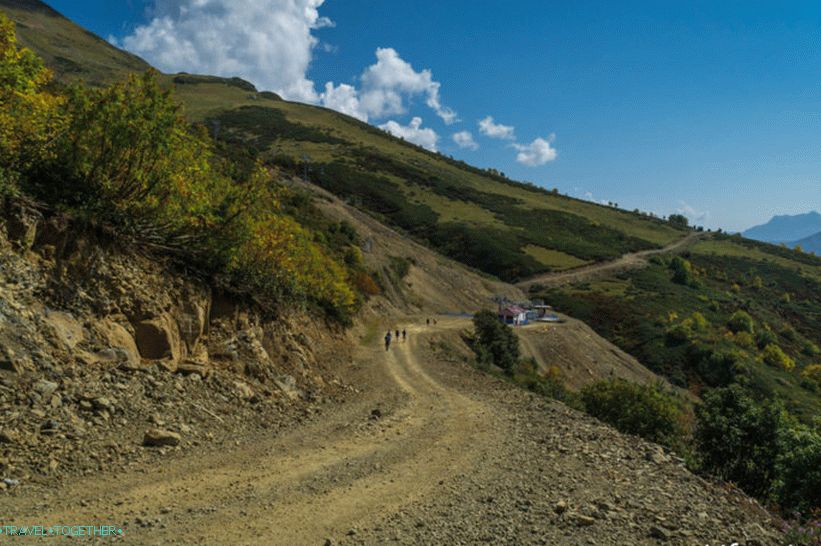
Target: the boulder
pixel 158 338
pixel 122 347
pixel 157 437
pixel 66 328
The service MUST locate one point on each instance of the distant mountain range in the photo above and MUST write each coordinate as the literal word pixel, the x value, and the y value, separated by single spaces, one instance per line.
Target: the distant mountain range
pixel 799 229
pixel 809 244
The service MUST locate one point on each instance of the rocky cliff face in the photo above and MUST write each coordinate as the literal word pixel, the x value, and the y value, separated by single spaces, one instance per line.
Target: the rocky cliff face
pixel 98 344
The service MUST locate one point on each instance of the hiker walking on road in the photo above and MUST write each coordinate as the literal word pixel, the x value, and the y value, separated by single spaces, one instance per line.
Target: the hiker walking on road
pixel 397 336
pixel 427 322
pixel 388 340
pixel 404 335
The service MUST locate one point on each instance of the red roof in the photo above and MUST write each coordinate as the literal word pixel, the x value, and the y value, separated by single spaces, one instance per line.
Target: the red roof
pixel 511 311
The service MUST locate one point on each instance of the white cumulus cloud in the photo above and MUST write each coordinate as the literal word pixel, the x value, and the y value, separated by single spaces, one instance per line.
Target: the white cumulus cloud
pixel 343 98
pixel 268 42
pixel 413 132
pixel 387 86
pixel 692 214
pixel 464 139
pixel 538 152
pixel 496 130
pixel 271 44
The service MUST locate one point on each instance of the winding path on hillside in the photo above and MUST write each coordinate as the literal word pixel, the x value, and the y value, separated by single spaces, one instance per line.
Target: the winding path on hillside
pixel 632 260
pixel 453 456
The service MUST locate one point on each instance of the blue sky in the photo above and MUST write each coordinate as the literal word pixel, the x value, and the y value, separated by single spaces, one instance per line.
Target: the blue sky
pixel 712 108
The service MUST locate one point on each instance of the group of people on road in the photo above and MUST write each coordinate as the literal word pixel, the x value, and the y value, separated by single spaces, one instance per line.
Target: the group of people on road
pixel 388 338
pixel 403 335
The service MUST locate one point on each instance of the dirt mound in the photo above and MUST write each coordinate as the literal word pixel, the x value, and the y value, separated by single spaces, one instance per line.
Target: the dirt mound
pixel 581 355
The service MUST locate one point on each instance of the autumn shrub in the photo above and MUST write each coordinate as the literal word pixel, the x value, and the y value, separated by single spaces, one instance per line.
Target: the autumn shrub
pixel 279 258
pixel 30 116
pixel 774 356
pixel 683 272
pixel 688 329
pixel 124 155
pixel 365 284
pixel 812 373
pixel 127 156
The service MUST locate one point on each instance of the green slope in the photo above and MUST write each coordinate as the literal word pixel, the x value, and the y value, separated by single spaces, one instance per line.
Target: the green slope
pixel 504 228
pixel 650 316
pixel 72 52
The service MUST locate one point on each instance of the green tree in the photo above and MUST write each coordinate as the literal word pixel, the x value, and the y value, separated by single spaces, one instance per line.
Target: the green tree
pixel 679 221
pixel 495 342
pixel 799 487
pixel 740 440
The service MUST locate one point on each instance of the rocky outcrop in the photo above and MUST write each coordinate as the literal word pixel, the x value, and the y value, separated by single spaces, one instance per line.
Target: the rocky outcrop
pixel 159 338
pixel 97 339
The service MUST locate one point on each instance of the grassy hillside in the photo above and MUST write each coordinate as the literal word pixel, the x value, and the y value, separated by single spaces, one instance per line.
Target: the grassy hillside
pixel 690 327
pixel 481 218
pixel 73 53
pixel 504 228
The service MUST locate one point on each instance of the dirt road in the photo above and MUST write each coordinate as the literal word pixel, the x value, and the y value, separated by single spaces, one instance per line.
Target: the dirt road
pixel 430 452
pixel 628 261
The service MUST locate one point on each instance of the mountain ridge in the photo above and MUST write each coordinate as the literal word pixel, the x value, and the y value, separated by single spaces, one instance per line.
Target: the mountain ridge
pixel 786 228
pixel 809 244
